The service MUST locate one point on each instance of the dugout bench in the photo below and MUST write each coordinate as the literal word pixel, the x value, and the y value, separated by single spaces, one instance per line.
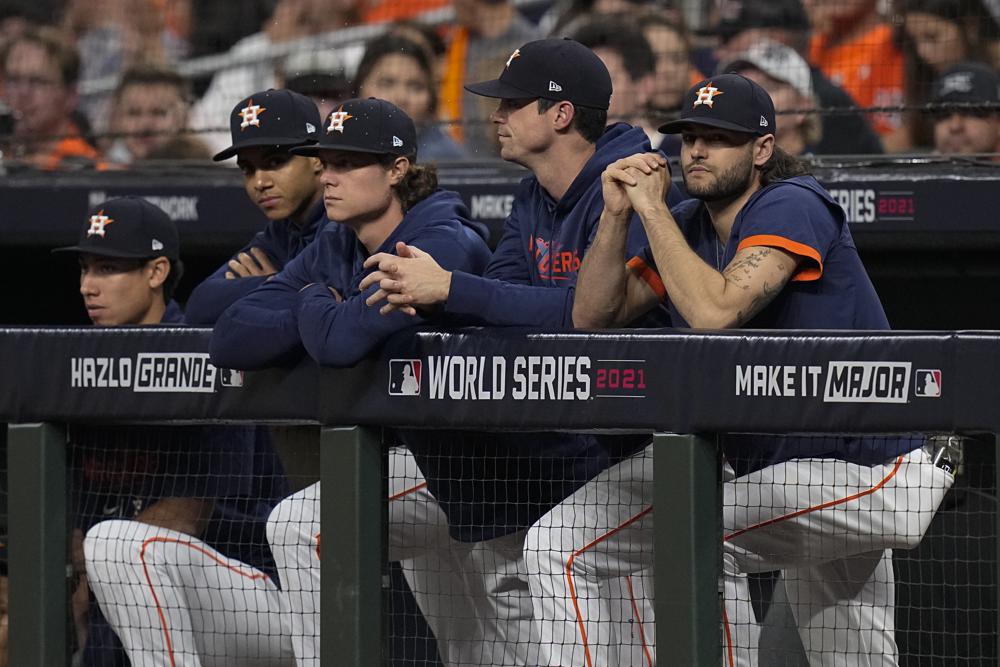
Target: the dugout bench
pixel 658 381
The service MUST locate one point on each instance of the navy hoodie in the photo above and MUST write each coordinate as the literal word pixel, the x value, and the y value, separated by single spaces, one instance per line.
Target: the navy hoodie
pixel 296 308
pixel 530 279
pixel 282 240
pixel 493 484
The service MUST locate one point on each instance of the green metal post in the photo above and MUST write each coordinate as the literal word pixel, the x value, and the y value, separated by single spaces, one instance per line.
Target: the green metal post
pixel 36 505
pixel 352 510
pixel 688 509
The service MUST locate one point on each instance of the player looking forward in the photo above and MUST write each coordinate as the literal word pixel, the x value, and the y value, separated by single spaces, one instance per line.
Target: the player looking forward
pixel 175 546
pixel 762 245
pixel 378 196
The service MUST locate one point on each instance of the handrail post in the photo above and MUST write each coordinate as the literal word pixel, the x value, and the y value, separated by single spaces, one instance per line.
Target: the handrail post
pixel 687 542
pixel 352 519
pixel 37 539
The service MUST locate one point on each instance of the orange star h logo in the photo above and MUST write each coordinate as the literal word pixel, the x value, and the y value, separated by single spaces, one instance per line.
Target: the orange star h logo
pixel 337 120
pixel 706 95
pixel 98 222
pixel 250 115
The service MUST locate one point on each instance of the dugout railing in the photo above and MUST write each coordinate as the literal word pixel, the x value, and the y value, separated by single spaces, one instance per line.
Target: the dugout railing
pixel 679 383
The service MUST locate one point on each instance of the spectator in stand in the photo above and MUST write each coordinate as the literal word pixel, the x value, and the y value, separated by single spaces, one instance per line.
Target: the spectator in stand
pixel 856 48
pixel 291 20
pixel 427 36
pixel 938 34
pixel 747 22
pixel 624 50
pixel 113 36
pixel 968 131
pixel 785 76
pixel 148 111
pixel 672 46
pixel 485 35
pixel 399 70
pixel 39 71
pixel 320 76
pixel 566 17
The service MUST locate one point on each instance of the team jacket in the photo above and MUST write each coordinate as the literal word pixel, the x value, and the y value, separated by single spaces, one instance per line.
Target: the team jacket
pixel 282 240
pixel 296 309
pixel 530 279
pixel 830 290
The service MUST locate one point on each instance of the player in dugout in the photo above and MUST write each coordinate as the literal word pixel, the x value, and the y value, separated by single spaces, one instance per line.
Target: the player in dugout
pixel 378 196
pixel 551 117
pixel 265 127
pixel 762 245
pixel 175 548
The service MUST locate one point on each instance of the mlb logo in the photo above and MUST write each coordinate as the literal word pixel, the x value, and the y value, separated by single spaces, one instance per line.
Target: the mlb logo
pixel 404 377
pixel 927 383
pixel 230 377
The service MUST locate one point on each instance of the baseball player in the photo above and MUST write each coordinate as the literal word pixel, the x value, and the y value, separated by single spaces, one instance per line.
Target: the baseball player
pixel 286 188
pixel 553 96
pixel 379 197
pixel 764 246
pixel 175 544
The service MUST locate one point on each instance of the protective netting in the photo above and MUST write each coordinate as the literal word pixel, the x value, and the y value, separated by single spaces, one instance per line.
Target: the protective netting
pixel 118 83
pixel 502 552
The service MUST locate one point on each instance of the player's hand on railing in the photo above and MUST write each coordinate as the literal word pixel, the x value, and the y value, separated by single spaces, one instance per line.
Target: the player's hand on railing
pixel 254 263
pixel 409 279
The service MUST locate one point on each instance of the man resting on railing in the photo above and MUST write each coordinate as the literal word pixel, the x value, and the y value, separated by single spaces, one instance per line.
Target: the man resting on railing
pixel 762 246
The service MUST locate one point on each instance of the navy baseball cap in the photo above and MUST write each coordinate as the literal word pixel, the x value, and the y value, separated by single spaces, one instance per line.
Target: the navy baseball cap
pixel 729 102
pixel 366 126
pixel 129 228
pixel 272 118
pixel 968 82
pixel 552 69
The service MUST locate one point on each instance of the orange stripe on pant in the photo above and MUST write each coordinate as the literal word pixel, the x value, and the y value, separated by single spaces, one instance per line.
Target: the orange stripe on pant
pixel 572 588
pixel 792 515
pixel 152 589
pixel 397 496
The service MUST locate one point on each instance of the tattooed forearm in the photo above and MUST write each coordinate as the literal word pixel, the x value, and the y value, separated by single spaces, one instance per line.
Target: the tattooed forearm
pixel 741 269
pixel 767 294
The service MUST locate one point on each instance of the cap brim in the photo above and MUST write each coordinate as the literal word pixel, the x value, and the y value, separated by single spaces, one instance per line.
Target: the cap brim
pixel 277 142
pixel 98 252
pixel 313 150
pixel 498 89
pixel 677 126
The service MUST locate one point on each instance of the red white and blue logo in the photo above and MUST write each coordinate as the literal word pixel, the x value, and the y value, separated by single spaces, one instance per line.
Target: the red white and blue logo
pixel 404 377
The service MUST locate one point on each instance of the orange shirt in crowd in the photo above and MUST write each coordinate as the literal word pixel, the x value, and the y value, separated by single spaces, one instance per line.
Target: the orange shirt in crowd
pixel 395 10
pixel 70 147
pixel 869 67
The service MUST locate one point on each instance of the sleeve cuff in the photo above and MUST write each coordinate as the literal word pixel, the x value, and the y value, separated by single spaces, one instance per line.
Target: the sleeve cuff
pixel 463 295
pixel 648 275
pixel 811 270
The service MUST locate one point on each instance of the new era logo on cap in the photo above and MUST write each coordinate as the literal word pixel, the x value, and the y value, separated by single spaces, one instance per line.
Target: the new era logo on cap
pixel 763 122
pixel 396 141
pixel 157 245
pixel 554 87
pixel 310 128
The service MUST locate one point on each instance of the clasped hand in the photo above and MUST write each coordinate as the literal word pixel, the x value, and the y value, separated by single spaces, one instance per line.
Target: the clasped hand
pixel 407 280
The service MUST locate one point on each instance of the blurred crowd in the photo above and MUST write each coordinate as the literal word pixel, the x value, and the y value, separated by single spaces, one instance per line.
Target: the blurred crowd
pixel 116 83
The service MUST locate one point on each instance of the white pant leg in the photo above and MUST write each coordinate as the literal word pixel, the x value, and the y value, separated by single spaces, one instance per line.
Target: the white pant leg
pixel 844 610
pixel 812 512
pixel 173 600
pixel 600 532
pixel 432 562
pixel 293 531
pixel 497 576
